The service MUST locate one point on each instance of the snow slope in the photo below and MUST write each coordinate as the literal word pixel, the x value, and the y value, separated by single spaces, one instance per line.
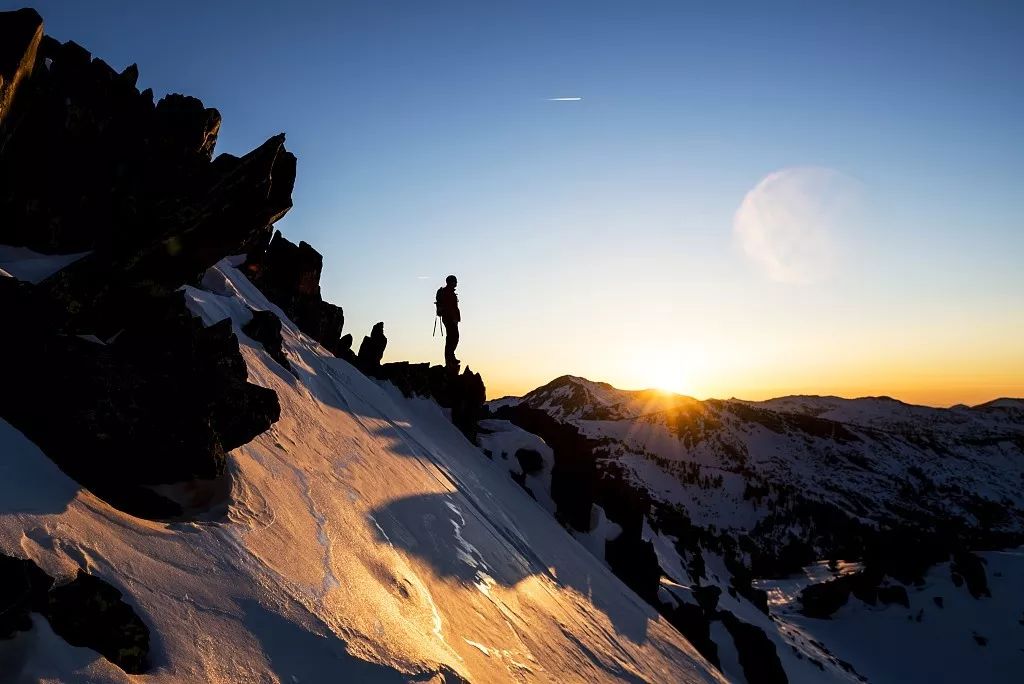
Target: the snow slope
pixel 364 540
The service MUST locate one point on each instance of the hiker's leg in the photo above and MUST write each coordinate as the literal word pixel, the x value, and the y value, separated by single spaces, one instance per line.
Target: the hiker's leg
pixel 451 341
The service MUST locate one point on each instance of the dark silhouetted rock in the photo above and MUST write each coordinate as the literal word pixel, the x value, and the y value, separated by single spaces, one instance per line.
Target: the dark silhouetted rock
pixel 757 654
pixel 825 598
pixel 694 624
pixel 574 472
pixel 530 460
pixel 345 348
pixel 23 589
pixel 162 404
pixel 971 568
pixel 265 328
pixel 20 34
pixel 467 401
pixel 88 163
pixel 184 125
pixel 371 350
pixel 89 612
pixel 463 393
pixel 289 275
pixel 85 612
pixel 98 290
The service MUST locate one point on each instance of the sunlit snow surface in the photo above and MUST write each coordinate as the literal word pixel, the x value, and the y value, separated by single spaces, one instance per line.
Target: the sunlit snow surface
pixel 366 540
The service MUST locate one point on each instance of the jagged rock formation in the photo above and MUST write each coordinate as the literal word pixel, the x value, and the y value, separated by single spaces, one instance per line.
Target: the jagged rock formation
pixel 265 328
pixel 167 388
pixel 345 349
pixel 85 612
pixel 289 275
pixel 90 164
pixel 371 350
pixel 463 393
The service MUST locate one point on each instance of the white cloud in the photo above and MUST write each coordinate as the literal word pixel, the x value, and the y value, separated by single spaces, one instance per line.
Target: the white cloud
pixel 792 224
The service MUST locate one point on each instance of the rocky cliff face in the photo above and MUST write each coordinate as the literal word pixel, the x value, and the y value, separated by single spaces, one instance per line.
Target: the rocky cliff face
pixel 89 165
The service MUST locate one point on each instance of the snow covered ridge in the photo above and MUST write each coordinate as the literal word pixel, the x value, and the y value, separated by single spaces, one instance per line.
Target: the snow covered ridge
pixel 711 498
pixel 195 483
pixel 364 540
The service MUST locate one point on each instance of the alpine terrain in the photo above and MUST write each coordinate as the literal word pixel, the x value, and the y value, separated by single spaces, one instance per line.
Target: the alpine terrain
pixel 203 478
pixel 200 480
pixel 798 539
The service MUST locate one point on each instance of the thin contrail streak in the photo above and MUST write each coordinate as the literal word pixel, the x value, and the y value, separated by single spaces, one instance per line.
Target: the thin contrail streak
pixel 564 99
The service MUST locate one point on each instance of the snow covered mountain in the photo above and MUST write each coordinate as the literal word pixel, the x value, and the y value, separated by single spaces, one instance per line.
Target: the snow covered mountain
pixel 844 530
pixel 200 480
pixel 363 539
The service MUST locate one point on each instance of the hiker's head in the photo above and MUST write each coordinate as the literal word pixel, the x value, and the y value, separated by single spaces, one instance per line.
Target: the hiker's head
pixel 452 281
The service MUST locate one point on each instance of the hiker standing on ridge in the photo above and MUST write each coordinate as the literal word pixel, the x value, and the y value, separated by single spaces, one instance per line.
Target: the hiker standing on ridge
pixel 447 303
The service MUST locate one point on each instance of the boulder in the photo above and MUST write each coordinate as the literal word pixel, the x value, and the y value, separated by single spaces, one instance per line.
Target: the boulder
pixel 371 351
pixel 89 612
pixel 970 568
pixel 23 589
pixel 265 328
pixel 85 612
pixel 345 348
pixel 530 460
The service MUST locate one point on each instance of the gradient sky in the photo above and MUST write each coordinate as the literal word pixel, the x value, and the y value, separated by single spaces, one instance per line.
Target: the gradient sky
pixel 751 199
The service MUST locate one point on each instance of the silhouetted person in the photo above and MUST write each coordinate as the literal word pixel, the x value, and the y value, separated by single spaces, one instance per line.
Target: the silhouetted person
pixel 448 309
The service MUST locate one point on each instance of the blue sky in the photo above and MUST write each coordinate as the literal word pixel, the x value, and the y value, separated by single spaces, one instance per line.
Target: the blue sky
pixel 598 237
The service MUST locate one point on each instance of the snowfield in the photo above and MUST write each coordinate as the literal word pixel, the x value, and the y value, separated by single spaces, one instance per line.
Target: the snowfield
pixel 364 540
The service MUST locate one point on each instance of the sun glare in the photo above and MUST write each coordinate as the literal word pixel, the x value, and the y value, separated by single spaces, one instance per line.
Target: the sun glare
pixel 662 373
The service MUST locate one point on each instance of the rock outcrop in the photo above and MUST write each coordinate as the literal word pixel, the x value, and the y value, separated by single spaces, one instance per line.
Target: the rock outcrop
pixel 371 350
pixel 108 372
pixel 574 475
pixel 161 404
pixel 463 393
pixel 85 612
pixel 89 612
pixel 265 328
pixel 289 275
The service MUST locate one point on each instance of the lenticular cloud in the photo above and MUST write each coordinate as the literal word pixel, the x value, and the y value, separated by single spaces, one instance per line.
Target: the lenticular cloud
pixel 792 223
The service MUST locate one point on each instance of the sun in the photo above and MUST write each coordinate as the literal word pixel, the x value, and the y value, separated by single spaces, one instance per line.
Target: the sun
pixel 662 372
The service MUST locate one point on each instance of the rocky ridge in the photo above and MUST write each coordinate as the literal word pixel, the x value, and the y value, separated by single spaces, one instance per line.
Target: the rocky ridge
pixel 128 194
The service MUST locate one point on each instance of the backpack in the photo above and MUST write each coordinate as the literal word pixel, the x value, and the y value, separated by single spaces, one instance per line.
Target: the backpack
pixel 437 300
pixel 445 302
